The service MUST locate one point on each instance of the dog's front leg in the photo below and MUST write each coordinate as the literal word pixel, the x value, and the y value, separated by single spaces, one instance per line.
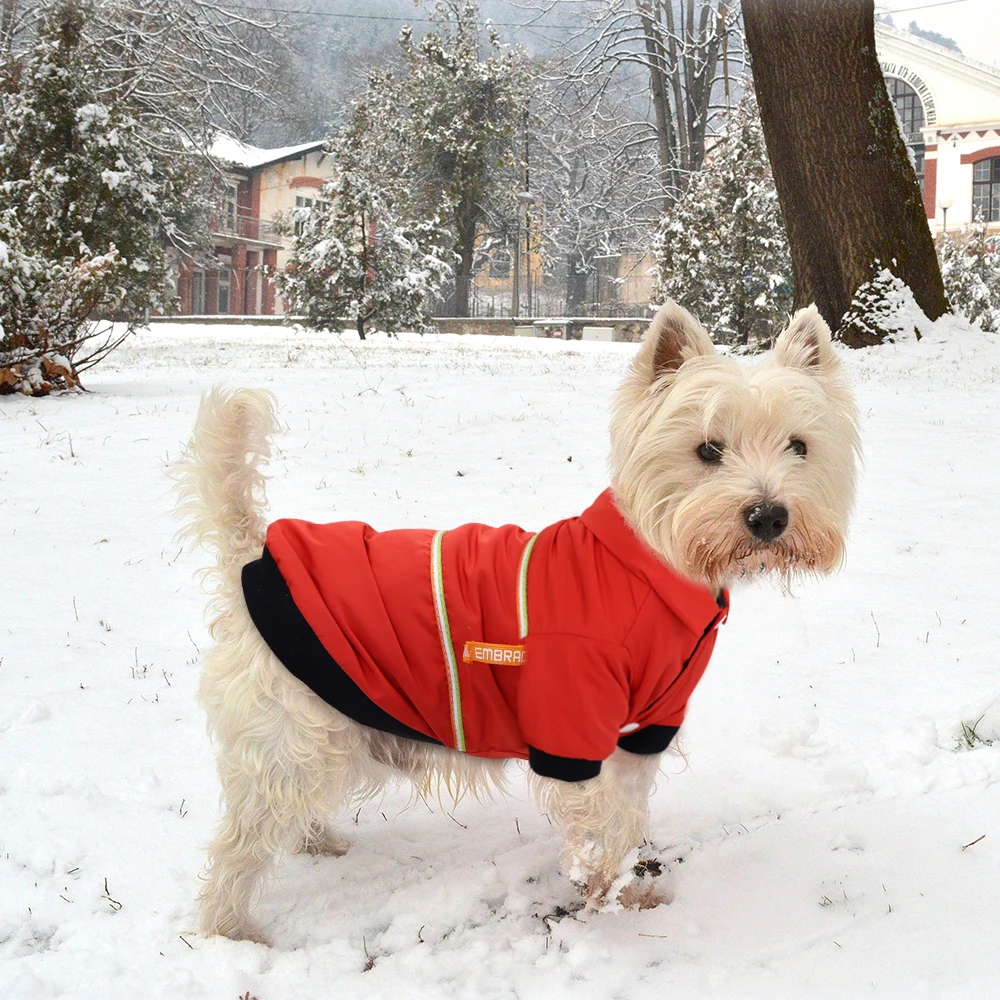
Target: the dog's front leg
pixel 603 820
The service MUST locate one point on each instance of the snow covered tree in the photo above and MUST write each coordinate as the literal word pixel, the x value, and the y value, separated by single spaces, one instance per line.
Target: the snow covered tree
pixel 376 142
pixel 970 267
pixel 464 107
pixel 359 262
pixel 83 212
pixel 44 311
pixel 184 68
pixel 668 57
pixel 722 250
pixel 690 252
pixel 593 185
pixel 434 140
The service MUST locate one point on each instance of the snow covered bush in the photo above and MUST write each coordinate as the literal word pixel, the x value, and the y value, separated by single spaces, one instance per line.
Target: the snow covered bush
pixel 722 251
pixel 358 262
pixel 46 336
pixel 83 214
pixel 883 310
pixel 970 268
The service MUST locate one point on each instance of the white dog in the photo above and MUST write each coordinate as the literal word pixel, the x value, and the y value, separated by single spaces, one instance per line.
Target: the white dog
pixel 346 657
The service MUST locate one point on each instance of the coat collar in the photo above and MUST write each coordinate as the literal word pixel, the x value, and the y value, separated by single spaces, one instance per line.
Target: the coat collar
pixel 693 602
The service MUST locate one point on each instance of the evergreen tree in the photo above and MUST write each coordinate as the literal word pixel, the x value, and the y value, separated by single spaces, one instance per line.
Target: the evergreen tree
pixel 970 268
pixel 690 251
pixel 44 305
pixel 360 262
pixel 722 250
pixel 457 108
pixel 81 192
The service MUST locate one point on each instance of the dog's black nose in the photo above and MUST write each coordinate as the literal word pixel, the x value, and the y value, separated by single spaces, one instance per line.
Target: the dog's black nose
pixel 766 521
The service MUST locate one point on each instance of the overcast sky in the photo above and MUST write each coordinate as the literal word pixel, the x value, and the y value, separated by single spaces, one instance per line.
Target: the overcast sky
pixel 974 24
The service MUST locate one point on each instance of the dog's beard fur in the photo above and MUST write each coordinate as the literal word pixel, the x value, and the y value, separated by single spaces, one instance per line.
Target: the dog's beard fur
pixel 287 760
pixel 680 395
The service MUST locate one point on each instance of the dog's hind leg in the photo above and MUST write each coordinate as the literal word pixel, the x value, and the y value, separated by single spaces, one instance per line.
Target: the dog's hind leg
pixel 285 763
pixel 271 805
pixel 242 855
pixel 603 820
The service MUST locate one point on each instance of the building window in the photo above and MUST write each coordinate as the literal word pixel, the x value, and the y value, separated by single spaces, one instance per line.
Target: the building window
pixel 223 291
pixel 986 190
pixel 198 293
pixel 229 209
pixel 910 109
pixel 303 209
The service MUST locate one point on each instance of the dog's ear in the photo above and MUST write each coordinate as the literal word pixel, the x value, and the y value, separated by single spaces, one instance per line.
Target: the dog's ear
pixel 675 336
pixel 806 343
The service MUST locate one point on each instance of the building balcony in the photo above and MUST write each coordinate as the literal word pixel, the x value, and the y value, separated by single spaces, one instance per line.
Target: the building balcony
pixel 249 229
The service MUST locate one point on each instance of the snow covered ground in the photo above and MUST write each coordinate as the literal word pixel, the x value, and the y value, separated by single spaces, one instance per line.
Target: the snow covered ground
pixel 815 844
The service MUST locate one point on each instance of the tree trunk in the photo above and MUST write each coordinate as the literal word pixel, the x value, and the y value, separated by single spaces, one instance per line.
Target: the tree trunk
pixel 466 224
pixel 844 180
pixel 666 138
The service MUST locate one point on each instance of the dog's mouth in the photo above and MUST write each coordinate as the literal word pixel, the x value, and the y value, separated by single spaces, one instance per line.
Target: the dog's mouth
pixel 761 558
pixel 718 561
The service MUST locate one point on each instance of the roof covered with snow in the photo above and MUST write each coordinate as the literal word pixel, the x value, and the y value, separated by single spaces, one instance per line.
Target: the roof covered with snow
pixel 242 154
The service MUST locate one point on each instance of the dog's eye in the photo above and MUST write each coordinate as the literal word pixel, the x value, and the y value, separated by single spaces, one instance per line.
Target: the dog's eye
pixel 711 451
pixel 797 447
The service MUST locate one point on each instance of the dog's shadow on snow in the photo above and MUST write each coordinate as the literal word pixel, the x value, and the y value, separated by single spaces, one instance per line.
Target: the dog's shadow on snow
pixel 414 878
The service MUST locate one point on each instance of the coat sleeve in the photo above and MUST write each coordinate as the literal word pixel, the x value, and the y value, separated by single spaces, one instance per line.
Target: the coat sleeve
pixel 573 699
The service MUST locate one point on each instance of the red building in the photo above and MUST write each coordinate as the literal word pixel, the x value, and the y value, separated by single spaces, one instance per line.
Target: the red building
pixel 263 191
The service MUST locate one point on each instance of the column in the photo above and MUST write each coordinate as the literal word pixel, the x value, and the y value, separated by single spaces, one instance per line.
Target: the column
pixel 237 283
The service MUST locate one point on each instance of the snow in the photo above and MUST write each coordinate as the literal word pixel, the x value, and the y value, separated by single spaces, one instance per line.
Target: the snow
pixel 88 115
pixel 814 840
pixel 242 154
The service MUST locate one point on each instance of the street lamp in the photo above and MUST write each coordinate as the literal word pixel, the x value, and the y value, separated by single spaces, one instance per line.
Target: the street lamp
pixel 945 204
pixel 525 200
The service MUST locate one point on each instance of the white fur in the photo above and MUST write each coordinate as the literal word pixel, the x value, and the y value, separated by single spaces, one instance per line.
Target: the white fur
pixel 689 512
pixel 287 761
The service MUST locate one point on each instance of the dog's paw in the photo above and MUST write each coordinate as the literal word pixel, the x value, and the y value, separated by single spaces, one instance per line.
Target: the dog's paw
pixel 600 889
pixel 235 932
pixel 642 895
pixel 324 842
pixel 634 888
pixel 254 937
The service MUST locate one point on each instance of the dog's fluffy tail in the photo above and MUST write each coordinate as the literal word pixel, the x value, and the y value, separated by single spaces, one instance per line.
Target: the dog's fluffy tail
pixel 220 487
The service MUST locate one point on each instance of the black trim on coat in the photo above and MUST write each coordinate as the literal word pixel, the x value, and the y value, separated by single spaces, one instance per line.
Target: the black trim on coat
pixel 564 768
pixel 292 640
pixel 651 739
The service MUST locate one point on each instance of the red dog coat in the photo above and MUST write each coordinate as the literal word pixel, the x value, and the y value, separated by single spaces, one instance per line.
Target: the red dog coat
pixel 556 647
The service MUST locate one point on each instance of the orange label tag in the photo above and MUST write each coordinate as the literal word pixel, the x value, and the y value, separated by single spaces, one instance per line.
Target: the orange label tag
pixel 493 653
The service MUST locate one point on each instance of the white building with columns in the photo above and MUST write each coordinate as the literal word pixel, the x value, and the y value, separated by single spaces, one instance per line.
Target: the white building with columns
pixel 949 106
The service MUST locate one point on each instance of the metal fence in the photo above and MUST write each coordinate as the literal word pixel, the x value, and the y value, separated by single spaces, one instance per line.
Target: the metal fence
pixel 615 285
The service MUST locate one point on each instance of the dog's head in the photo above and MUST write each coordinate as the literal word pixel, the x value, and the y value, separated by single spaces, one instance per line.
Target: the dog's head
pixel 729 471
